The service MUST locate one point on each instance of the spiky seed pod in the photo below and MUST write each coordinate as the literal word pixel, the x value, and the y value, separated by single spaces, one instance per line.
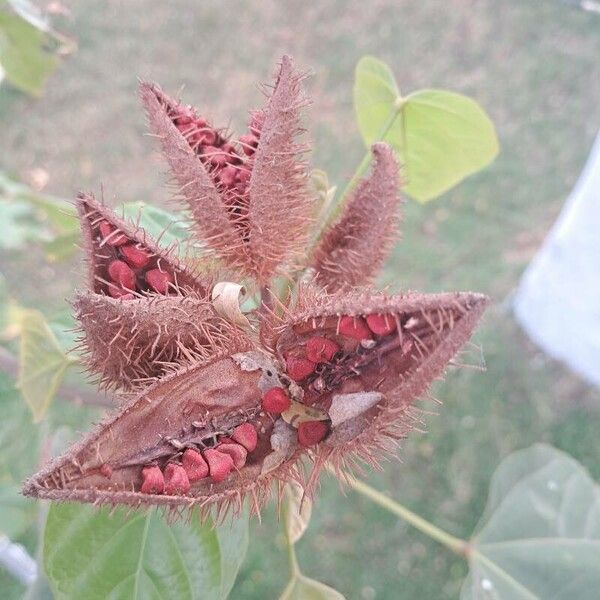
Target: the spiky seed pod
pixel 212 405
pixel 353 249
pixel 278 183
pixel 222 413
pixel 370 386
pixel 355 404
pixel 212 220
pixel 129 344
pixel 122 258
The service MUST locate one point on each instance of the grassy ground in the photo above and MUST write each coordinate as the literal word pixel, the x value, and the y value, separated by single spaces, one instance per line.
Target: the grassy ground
pixel 533 65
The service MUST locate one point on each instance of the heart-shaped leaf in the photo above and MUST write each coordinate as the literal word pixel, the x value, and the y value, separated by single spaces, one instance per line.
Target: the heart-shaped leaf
pixel 539 537
pixel 441 137
pixel 42 363
pixel 93 554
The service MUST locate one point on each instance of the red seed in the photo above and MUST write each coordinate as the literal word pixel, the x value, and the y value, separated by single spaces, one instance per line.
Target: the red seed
pixel 121 273
pixel 154 481
pixel 320 349
pixel 215 156
pixel 275 400
pixel 243 175
pixel 248 143
pixel 195 466
pixel 106 471
pixel 219 464
pixel 299 368
pixel 205 137
pixel 225 440
pixel 237 452
pixel 311 432
pixel 176 480
pixel 135 255
pixel 116 239
pixel 381 324
pixel 354 327
pixel 245 434
pixel 228 176
pixel 159 280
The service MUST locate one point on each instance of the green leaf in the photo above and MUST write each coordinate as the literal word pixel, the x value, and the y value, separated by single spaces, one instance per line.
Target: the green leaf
pixel 90 553
pixel 17 513
pixel 160 224
pixel 539 537
pixel 42 363
pixel 30 216
pixel 23 56
pixel 19 437
pixel 296 512
pixel 304 588
pixel 18 226
pixel 376 96
pixel 441 137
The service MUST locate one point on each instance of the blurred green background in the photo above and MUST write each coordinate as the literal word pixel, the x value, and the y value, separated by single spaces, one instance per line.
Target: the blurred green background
pixel 532 65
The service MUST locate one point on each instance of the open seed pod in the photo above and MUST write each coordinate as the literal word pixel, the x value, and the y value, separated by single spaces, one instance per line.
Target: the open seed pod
pixel 215 409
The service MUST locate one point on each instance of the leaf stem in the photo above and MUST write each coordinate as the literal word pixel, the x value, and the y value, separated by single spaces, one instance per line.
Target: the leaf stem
pixel 366 160
pixel 457 545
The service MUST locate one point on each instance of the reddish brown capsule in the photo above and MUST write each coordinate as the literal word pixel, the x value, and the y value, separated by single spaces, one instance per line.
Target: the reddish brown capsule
pixel 153 480
pixel 176 480
pixel 311 432
pixel 248 143
pixel 121 273
pixel 194 464
pixel 299 368
pixel 135 255
pixel 320 349
pixel 245 434
pixel 354 327
pixel 159 280
pixel 275 401
pixel 381 324
pixel 237 452
pixel 219 464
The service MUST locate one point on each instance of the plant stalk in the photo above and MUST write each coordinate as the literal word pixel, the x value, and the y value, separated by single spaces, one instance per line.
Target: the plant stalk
pixel 457 545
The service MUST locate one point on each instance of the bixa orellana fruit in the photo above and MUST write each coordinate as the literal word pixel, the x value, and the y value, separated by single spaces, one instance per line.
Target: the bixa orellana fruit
pixel 213 409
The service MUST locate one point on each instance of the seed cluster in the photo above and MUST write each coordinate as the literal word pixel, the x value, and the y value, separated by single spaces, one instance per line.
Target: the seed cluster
pixel 176 478
pixel 130 268
pixel 229 165
pixel 321 364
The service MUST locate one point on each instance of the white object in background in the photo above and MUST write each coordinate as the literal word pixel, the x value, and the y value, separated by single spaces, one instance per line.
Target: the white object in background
pixel 558 300
pixel 15 559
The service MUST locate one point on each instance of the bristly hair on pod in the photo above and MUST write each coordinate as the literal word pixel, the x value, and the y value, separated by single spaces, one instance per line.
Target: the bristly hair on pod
pixel 353 250
pixel 213 409
pixel 278 184
pixel 240 191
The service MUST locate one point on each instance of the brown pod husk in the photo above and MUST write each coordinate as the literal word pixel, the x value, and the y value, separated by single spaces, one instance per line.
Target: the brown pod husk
pixel 220 228
pixel 101 250
pixel 278 184
pixel 354 248
pixel 128 344
pixel 383 374
pixel 194 407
